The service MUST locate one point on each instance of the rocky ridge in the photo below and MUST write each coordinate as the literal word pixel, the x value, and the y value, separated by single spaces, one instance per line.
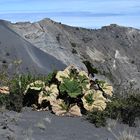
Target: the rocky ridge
pixel 113 50
pixel 20 56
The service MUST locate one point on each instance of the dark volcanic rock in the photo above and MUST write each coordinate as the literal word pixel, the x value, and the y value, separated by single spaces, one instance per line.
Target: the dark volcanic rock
pixel 18 55
pixel 33 125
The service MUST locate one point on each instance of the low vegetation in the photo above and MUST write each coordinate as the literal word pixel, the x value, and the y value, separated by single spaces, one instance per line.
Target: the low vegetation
pixel 126 110
pixel 69 93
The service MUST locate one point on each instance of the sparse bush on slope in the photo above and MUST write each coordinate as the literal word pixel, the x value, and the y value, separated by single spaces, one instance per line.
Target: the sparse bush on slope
pixel 126 110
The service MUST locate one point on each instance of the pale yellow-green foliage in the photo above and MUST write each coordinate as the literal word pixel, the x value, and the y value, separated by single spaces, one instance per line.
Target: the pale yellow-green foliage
pixel 73 83
pixel 49 94
pixel 96 101
pixel 37 86
pixel 60 109
pixel 107 88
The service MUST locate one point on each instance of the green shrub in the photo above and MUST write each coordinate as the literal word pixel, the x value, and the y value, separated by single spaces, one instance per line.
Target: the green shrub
pixel 17 84
pixel 15 102
pixel 126 110
pixel 4 99
pixel 98 118
pixel 50 78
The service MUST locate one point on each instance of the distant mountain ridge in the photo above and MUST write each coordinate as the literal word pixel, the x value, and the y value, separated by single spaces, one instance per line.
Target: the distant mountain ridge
pixel 114 50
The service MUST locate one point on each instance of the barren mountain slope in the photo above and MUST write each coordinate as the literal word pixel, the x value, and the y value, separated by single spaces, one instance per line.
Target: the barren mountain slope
pixel 113 50
pixel 18 54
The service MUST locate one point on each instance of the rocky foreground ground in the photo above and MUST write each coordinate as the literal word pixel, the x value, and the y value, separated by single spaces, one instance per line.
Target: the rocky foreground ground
pixel 42 125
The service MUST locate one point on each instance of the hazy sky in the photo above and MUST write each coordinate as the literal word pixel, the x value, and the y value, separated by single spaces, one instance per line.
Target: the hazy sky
pixel 85 13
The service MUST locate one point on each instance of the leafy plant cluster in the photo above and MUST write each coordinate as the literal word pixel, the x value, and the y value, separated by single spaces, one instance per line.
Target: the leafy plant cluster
pixel 70 92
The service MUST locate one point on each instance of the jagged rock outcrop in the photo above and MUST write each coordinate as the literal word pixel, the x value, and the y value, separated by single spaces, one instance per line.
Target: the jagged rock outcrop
pixel 113 50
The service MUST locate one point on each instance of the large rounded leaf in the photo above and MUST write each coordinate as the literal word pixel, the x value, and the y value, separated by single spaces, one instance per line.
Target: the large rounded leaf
pixel 59 107
pixel 49 94
pixel 107 88
pixel 74 111
pixel 94 100
pixel 71 87
pixel 61 75
pixel 37 86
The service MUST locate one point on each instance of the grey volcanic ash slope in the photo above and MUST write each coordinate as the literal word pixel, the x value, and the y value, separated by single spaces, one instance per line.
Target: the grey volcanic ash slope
pixel 14 48
pixel 113 50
